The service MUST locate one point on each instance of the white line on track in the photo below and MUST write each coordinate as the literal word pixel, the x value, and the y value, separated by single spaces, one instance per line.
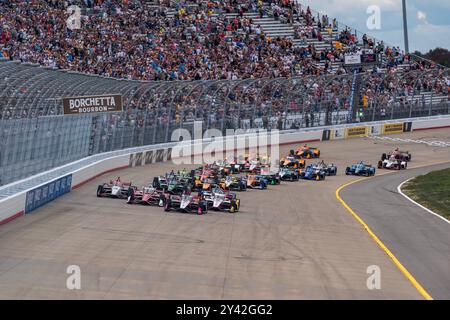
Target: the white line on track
pixel 442 144
pixel 399 189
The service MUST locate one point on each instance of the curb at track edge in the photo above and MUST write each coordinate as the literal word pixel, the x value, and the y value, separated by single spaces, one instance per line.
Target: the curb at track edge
pixel 399 189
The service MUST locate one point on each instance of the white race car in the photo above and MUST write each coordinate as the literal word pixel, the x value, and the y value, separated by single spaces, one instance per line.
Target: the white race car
pixel 392 164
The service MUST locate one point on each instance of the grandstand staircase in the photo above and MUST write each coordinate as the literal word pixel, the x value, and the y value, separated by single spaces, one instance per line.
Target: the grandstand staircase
pixel 275 28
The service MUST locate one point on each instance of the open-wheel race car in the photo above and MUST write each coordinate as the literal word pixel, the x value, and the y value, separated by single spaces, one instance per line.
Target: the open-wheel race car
pixel 288 174
pixel 186 203
pixel 256 182
pixel 313 172
pixel 172 184
pixel 330 169
pixel 306 152
pixel 146 196
pixel 392 164
pixel 397 155
pixel 114 189
pixel 233 183
pixel 272 178
pixel 360 169
pixel 292 162
pixel 221 200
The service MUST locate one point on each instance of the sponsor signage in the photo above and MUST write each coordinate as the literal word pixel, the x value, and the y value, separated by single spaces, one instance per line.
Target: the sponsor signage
pixel 48 192
pixel 368 58
pixel 352 59
pixel 393 128
pixel 93 104
pixel 356 132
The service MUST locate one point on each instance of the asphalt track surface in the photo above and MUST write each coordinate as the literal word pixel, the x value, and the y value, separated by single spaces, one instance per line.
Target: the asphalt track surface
pixel 420 240
pixel 294 241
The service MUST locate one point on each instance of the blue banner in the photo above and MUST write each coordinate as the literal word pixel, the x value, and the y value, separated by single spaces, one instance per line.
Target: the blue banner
pixel 48 192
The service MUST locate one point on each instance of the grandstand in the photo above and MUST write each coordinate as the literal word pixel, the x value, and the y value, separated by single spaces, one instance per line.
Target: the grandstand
pixel 228 64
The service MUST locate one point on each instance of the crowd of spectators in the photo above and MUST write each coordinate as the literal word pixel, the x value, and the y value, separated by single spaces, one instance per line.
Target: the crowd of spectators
pixel 137 40
pixel 131 40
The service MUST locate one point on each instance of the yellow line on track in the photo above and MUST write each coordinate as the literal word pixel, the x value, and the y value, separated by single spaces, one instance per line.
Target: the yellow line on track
pixel 399 265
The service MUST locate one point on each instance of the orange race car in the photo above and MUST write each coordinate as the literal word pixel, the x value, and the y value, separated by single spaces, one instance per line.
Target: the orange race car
pixel 306 152
pixel 292 163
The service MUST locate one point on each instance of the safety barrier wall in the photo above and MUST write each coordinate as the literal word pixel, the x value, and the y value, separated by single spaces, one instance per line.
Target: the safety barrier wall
pixel 15 205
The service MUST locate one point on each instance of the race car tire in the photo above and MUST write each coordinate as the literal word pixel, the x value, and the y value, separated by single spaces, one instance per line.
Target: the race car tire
pixel 347 171
pixel 233 207
pixel 99 191
pixel 380 164
pixel 167 205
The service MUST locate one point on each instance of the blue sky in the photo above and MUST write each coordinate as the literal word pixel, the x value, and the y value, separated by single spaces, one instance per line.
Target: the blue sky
pixel 429 20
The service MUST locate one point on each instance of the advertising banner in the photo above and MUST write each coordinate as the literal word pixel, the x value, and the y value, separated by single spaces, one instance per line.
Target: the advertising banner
pixel 393 128
pixel 93 104
pixel 352 59
pixel 48 192
pixel 356 132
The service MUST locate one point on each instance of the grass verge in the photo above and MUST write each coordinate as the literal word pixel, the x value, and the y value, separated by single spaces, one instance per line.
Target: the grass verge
pixel 432 191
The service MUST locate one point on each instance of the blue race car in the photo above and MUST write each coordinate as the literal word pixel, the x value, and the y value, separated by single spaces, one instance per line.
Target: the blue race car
pixel 256 182
pixel 360 169
pixel 313 172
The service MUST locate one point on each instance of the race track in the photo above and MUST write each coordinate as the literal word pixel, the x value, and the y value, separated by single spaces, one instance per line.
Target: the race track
pixel 293 241
pixel 419 239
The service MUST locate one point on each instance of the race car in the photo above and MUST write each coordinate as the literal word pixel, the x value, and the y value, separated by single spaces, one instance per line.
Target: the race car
pixel 256 182
pixel 306 152
pixel 287 174
pixel 330 169
pixel 292 162
pixel 272 178
pixel 233 183
pixel 252 166
pixel 221 200
pixel 172 185
pixel 208 184
pixel 186 203
pixel 392 163
pixel 360 169
pixel 313 172
pixel 398 155
pixel 114 189
pixel 148 196
pixel 160 183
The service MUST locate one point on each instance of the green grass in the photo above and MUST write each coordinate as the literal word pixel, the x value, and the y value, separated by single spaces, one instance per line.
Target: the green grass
pixel 432 191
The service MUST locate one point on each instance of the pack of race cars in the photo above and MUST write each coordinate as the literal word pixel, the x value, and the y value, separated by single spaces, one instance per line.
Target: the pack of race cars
pixel 215 186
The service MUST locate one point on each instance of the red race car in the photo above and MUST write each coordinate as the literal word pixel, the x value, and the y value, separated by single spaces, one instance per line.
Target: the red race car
pixel 146 196
pixel 397 155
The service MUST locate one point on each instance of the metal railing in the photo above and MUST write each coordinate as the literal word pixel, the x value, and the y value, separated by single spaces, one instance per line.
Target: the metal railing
pixel 35 136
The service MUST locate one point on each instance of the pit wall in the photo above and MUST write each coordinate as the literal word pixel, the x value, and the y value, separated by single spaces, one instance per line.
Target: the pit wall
pixel 28 200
